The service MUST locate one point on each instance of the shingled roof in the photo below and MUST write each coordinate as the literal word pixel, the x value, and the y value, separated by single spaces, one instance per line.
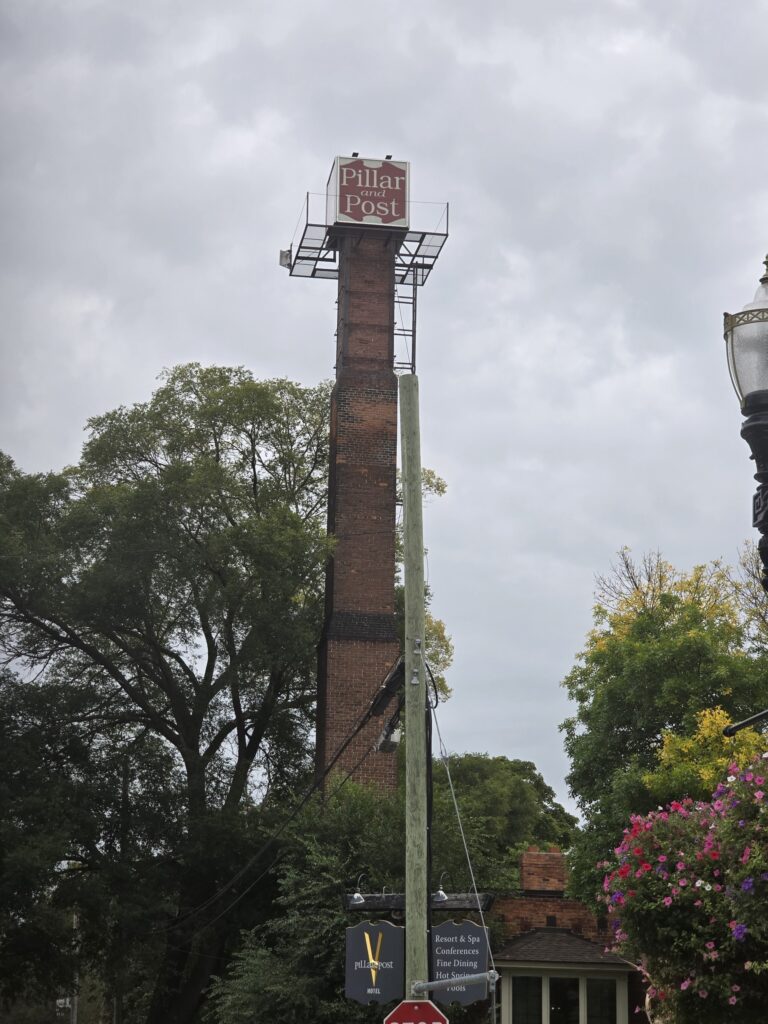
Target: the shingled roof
pixel 557 946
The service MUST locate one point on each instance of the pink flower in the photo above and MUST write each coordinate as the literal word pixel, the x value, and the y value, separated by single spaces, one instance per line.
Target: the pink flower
pixel 732 1000
pixel 667 901
pixel 759 794
pixel 745 856
pixel 685 984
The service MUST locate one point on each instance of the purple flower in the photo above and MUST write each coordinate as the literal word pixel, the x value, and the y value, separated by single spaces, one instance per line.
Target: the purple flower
pixel 739 932
pixel 747 884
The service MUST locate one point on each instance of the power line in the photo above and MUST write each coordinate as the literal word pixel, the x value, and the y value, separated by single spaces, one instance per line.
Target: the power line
pixel 244 893
pixel 444 759
pixel 317 783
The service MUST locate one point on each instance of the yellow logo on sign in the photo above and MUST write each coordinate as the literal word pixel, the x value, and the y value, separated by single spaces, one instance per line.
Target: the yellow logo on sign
pixel 373 960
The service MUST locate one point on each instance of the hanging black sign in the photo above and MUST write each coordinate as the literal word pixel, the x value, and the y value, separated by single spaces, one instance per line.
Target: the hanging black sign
pixel 459 948
pixel 375 962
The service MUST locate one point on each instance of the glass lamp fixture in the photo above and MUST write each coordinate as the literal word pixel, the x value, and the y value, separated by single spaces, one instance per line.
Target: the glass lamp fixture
pixel 746 339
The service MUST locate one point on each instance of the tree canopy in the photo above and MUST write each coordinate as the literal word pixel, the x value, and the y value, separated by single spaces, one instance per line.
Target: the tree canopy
pixel 691 765
pixel 507 805
pixel 162 598
pixel 666 645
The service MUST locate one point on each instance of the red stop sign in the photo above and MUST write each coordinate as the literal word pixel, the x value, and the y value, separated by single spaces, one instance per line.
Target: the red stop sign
pixel 416 1011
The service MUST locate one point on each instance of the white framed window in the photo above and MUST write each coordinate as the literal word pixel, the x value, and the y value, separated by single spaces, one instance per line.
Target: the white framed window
pixel 568 996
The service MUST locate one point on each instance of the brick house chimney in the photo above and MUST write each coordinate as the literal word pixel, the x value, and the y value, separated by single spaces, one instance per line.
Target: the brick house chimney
pixel 543 871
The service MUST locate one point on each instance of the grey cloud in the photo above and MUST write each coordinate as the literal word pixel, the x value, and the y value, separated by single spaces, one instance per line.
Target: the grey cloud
pixel 605 167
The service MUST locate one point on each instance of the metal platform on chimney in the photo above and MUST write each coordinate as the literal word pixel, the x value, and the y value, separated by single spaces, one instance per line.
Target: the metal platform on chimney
pixel 313 251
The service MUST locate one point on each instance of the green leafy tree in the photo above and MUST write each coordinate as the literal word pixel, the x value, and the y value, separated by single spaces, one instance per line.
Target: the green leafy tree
pixel 665 646
pixel 505 804
pixel 165 593
pixel 87 818
pixel 292 967
pixel 690 766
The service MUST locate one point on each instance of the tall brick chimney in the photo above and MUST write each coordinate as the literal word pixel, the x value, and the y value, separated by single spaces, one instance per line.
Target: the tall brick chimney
pixel 362 237
pixel 359 642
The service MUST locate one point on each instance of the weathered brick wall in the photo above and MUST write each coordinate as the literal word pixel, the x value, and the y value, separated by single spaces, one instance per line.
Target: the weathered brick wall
pixel 360 642
pixel 520 914
pixel 353 665
pixel 542 870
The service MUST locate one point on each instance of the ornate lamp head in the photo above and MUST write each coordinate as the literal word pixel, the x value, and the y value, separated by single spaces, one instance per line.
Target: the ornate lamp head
pixel 746 339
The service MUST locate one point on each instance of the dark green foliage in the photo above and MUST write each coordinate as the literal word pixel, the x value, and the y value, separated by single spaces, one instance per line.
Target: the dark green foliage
pixel 291 968
pixel 505 805
pixel 160 602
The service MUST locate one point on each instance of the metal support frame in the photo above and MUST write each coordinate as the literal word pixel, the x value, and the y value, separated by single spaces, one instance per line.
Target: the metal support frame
pixel 405 323
pixel 419 988
pixel 314 252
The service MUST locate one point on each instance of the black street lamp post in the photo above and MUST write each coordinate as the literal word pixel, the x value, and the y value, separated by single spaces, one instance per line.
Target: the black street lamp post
pixel 746 339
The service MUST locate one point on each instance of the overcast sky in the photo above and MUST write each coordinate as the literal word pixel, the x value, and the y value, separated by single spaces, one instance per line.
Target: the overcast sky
pixel 605 163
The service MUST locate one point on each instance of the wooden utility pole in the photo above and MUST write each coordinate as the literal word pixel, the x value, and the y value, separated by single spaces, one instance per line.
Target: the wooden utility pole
pixel 416 894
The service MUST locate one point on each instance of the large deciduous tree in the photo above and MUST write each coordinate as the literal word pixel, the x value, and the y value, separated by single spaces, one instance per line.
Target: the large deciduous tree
pixel 507 804
pixel 666 646
pixel 161 599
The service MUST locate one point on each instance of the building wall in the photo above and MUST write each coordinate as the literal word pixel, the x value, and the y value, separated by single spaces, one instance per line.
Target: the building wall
pixel 542 870
pixel 541 902
pixel 359 643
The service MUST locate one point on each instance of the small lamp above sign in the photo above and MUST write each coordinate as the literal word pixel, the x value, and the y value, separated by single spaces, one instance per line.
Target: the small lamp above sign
pixel 357 897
